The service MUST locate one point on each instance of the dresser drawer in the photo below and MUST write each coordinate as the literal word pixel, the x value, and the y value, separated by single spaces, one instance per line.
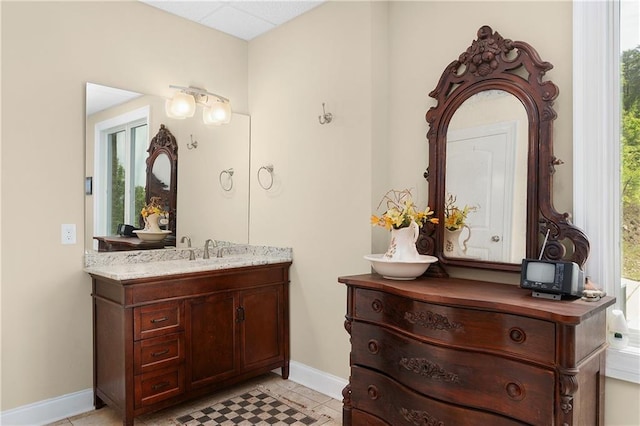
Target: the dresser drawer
pixel 158 352
pixel 382 397
pixel 480 380
pixel 493 331
pixel 158 385
pixel 158 319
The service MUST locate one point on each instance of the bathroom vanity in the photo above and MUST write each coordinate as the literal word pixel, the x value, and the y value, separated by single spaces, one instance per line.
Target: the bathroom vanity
pixel 445 351
pixel 169 331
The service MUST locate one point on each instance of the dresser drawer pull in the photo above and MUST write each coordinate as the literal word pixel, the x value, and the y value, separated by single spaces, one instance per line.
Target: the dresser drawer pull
pixel 376 305
pixel 420 418
pixel 160 385
pixel 373 392
pixel 515 391
pixel 155 320
pixel 517 335
pixel 166 351
pixel 373 347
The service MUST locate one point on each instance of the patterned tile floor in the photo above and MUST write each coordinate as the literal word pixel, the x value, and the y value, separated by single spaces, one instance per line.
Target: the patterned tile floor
pixel 326 410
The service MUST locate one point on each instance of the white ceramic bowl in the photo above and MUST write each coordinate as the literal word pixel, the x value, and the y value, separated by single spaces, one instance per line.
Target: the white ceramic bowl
pixel 400 270
pixel 152 236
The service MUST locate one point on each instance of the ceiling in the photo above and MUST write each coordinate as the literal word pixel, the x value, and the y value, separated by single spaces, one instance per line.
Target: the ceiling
pixel 244 19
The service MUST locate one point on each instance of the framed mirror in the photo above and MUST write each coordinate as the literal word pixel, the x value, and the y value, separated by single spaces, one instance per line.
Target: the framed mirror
pixel 491 162
pixel 162 175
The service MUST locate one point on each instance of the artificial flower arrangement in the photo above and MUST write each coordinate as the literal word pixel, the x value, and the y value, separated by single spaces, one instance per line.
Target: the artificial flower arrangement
pixel 153 207
pixel 401 211
pixel 454 217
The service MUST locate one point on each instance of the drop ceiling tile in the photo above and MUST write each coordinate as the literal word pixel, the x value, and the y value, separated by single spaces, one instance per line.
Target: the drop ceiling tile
pixel 276 12
pixel 237 23
pixel 192 10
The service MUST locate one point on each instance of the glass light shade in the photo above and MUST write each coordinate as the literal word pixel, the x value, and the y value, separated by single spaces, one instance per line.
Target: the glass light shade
pixel 182 105
pixel 218 113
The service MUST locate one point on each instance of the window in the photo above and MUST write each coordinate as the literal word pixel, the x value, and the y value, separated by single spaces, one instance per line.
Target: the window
pixel 120 168
pixel 598 153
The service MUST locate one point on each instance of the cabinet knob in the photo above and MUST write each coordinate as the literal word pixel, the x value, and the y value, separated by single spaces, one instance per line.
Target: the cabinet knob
pixel 372 390
pixel 376 305
pixel 515 391
pixel 517 335
pixel 373 346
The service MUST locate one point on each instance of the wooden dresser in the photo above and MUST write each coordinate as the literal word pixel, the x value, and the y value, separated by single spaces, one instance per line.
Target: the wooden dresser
pixel 453 352
pixel 162 340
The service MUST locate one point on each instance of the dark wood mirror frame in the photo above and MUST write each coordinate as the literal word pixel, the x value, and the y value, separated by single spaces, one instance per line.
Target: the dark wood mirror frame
pixel 495 63
pixel 164 143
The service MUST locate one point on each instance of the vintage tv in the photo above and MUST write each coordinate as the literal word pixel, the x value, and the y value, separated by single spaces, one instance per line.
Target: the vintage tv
pixel 552 279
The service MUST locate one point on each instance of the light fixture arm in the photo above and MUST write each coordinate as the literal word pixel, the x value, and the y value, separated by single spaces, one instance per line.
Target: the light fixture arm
pixel 198 93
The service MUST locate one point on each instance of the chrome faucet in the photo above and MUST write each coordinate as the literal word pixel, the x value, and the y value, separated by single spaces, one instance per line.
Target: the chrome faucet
pixel 206 248
pixel 192 254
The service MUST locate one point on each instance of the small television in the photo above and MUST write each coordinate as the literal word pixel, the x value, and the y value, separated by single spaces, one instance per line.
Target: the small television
pixel 552 279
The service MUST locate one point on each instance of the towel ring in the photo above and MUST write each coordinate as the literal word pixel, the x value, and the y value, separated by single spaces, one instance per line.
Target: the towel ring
pixel 229 173
pixel 269 169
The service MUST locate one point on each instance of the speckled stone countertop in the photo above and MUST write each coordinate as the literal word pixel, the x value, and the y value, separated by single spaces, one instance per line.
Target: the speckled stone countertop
pixel 128 265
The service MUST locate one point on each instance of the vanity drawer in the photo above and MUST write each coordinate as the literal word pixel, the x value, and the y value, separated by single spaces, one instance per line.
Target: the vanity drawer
pixel 158 385
pixel 480 380
pixel 383 397
pixel 158 319
pixel 520 336
pixel 158 352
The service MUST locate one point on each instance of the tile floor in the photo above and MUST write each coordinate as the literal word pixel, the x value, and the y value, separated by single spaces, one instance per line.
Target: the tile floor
pixel 296 395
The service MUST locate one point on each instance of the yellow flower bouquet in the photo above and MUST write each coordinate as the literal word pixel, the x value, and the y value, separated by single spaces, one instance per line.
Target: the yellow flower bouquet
pixel 454 217
pixel 401 211
pixel 153 207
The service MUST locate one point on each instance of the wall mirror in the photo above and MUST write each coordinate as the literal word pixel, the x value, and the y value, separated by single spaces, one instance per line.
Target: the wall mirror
pixel 491 151
pixel 204 209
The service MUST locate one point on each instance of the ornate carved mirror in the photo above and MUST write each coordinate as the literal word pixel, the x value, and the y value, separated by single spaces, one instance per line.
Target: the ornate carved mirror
pixel 162 174
pixel 491 151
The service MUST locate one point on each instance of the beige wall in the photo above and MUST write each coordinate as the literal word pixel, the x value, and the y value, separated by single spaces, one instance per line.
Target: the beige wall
pixel 372 63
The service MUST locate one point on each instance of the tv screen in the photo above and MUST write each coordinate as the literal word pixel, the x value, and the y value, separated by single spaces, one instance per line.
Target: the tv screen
pixel 541 272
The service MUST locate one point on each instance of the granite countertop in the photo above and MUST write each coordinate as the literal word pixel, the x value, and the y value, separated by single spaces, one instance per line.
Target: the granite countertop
pixel 130 265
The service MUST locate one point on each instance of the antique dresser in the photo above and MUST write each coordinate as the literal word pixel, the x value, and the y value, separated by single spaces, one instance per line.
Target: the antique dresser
pixel 454 352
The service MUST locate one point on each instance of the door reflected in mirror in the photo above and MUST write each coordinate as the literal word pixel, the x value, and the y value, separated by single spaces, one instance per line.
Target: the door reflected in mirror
pixel 486 178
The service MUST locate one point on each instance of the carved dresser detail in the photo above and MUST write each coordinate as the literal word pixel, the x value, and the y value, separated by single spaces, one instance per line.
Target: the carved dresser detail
pixel 454 352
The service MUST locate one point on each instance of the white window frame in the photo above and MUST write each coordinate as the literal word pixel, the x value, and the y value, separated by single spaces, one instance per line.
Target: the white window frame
pixel 596 156
pixel 141 116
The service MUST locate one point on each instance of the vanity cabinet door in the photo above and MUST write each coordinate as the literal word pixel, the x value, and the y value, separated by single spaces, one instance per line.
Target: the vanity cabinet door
pixel 212 327
pixel 262 326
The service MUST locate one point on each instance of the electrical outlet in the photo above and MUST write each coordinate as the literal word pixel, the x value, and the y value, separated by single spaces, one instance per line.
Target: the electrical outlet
pixel 68 233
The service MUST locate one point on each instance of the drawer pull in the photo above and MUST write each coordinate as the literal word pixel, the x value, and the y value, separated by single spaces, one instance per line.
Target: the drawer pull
pixel 156 320
pixel 373 347
pixel 376 305
pixel 160 385
pixel 517 335
pixel 166 351
pixel 420 418
pixel 373 392
pixel 515 391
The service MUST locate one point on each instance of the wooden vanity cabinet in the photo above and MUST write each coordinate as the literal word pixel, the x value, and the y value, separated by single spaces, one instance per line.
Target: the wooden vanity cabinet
pixel 160 341
pixel 445 351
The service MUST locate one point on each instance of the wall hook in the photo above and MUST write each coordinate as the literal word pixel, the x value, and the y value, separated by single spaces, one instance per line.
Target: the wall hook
pixel 193 144
pixel 326 117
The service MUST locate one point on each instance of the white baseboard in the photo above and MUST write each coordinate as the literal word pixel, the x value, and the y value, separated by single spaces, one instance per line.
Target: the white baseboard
pixel 49 410
pixel 317 380
pixel 54 409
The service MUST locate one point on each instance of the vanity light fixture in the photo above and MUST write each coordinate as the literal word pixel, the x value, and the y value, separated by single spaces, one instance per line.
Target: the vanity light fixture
pixel 216 109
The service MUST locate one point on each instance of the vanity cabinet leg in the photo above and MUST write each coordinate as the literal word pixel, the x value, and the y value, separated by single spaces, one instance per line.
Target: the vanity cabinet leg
pixel 285 371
